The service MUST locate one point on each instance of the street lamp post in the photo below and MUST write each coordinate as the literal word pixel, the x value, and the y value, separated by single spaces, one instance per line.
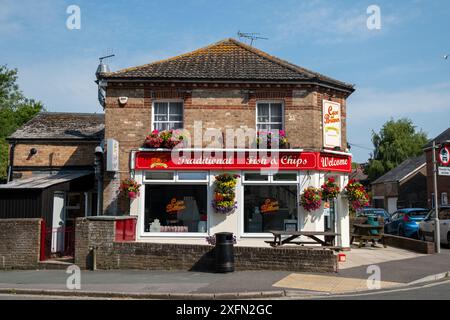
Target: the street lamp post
pixel 437 231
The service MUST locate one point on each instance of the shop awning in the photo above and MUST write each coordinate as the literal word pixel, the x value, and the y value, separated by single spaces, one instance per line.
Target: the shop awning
pixel 44 181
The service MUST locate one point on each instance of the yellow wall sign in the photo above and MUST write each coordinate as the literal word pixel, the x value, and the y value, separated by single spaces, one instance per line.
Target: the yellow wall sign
pixel 270 205
pixel 331 124
pixel 175 206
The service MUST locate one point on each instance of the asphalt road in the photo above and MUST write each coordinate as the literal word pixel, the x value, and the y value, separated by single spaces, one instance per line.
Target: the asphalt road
pixel 431 291
pixel 4 297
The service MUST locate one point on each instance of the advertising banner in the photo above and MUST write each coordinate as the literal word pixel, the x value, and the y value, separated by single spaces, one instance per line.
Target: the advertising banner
pixel 331 124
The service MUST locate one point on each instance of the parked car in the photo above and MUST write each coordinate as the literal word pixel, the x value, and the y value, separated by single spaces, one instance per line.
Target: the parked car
pixel 426 227
pixel 405 222
pixel 374 212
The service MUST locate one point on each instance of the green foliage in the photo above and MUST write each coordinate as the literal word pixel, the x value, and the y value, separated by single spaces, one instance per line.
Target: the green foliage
pixel 396 142
pixel 3 159
pixel 15 110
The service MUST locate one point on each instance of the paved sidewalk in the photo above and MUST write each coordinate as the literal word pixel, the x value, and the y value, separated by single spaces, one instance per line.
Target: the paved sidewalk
pixel 368 255
pixel 396 269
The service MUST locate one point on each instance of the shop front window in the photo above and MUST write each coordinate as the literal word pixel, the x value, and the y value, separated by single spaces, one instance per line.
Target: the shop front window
pixel 176 208
pixel 270 207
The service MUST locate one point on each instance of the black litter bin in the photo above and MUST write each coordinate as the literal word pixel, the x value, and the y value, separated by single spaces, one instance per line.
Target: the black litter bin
pixel 224 252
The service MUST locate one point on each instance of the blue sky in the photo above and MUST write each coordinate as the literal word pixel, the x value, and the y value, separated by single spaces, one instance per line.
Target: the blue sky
pixel 399 71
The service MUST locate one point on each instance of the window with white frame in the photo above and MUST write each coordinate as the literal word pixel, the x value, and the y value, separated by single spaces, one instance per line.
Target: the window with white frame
pixel 270 202
pixel 175 202
pixel 269 116
pixel 167 115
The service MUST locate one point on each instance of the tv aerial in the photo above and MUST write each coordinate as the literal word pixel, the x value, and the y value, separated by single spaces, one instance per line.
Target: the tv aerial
pixel 252 36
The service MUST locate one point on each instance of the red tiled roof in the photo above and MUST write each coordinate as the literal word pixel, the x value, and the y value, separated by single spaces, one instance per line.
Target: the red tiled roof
pixel 227 60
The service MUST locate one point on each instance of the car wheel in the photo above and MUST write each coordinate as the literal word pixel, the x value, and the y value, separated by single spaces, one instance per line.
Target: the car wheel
pixel 422 236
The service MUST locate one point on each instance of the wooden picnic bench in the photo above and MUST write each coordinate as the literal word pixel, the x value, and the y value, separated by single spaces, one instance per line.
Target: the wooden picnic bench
pixel 364 233
pixel 328 242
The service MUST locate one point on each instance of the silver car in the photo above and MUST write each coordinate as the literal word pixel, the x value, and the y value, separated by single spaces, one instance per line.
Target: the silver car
pixel 426 227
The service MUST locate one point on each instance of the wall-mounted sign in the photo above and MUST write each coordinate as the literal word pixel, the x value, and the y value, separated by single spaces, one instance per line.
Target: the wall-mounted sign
pixel 112 155
pixel 331 123
pixel 444 156
pixel 444 171
pixel 187 160
pixel 334 163
pixel 175 205
pixel 270 205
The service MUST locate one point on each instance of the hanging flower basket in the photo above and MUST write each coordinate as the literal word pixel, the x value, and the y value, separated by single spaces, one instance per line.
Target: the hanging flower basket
pixel 357 195
pixel 269 139
pixel 225 193
pixel 330 189
pixel 130 188
pixel 166 139
pixel 311 199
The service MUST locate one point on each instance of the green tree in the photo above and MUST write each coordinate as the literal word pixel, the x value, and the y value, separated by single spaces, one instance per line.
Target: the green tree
pixel 396 142
pixel 15 110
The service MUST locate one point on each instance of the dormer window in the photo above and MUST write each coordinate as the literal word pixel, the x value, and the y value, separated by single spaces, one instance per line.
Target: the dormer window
pixel 167 115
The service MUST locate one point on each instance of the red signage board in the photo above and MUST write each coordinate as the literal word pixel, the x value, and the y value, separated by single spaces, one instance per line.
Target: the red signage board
pixel 218 160
pixel 328 162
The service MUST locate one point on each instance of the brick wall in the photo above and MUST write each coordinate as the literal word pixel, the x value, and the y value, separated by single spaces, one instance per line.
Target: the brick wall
pixel 54 154
pixel 219 107
pixel 409 244
pixel 152 256
pixel 90 234
pixel 19 243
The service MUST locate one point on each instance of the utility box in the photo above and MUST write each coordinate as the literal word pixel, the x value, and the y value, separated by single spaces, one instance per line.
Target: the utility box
pixel 126 229
pixel 112 155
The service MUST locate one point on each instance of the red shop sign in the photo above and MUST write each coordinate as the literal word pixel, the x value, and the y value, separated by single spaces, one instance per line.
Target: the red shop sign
pixel 334 163
pixel 207 160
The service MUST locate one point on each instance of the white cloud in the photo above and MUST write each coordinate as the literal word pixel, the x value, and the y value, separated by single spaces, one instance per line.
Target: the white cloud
pixel 325 22
pixel 369 103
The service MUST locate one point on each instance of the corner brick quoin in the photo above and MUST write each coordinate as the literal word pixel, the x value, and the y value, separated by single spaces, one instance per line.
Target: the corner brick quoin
pixel 20 241
pixel 95 244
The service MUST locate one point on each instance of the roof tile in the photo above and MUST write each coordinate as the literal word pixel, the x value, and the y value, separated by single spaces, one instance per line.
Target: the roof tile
pixel 65 126
pixel 225 60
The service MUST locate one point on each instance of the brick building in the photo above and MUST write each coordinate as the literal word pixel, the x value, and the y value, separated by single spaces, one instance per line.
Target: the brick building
pixel 227 85
pixel 443 181
pixel 402 187
pixel 51 171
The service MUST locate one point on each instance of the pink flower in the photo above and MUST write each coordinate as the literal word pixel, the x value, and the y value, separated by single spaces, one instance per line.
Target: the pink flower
pixel 132 195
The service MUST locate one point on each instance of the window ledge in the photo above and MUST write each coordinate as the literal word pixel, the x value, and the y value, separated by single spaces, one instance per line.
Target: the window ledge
pixel 173 235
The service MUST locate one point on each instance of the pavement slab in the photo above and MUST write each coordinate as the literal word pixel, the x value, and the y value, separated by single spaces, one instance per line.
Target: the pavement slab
pixel 329 284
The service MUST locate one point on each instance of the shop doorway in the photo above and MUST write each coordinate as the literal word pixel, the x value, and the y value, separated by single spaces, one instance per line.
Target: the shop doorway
pixel 59 221
pixel 330 216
